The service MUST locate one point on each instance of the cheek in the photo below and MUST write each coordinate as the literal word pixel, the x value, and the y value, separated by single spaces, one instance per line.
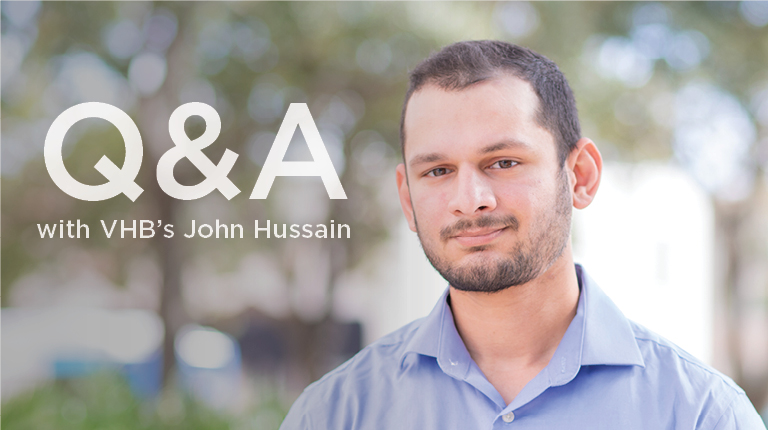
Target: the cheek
pixel 538 199
pixel 430 207
pixel 528 202
pixel 517 198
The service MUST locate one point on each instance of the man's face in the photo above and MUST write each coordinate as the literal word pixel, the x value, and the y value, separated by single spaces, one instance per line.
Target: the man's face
pixel 484 190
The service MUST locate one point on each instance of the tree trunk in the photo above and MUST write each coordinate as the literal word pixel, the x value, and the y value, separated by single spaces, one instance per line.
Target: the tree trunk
pixel 741 237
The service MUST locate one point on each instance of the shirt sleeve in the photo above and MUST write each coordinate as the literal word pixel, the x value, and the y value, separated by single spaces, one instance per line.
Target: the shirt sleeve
pixel 740 415
pixel 297 418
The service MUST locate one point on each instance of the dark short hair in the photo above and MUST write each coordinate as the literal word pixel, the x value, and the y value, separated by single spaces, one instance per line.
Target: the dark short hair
pixel 463 64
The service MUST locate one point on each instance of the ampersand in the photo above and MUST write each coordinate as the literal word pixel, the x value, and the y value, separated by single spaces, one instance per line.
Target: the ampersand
pixel 215 174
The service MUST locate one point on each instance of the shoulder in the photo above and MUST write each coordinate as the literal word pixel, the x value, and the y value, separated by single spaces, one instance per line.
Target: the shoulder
pixel 686 383
pixel 335 397
pixel 382 355
pixel 662 355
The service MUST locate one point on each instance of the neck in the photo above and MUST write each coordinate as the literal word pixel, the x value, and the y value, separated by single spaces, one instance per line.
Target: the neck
pixel 519 327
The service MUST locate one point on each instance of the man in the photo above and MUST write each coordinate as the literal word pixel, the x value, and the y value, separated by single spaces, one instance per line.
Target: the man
pixel 493 162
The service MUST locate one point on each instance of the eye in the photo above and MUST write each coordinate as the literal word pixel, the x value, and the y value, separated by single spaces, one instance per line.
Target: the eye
pixel 503 164
pixel 440 171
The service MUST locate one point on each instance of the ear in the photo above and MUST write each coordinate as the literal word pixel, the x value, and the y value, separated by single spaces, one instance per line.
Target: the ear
pixel 405 196
pixel 585 167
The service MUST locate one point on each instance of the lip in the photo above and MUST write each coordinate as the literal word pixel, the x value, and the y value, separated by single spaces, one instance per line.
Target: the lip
pixel 478 237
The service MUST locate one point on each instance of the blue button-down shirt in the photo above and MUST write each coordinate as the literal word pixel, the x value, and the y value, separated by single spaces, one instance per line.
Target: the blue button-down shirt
pixel 607 373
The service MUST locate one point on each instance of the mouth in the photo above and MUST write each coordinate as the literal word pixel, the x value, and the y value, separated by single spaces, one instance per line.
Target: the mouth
pixel 473 238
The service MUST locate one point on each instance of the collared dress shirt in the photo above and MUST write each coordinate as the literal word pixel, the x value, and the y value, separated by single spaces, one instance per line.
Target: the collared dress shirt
pixel 607 373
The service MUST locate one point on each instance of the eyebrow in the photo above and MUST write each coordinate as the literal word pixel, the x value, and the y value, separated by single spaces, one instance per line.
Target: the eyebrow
pixel 436 156
pixel 426 158
pixel 506 144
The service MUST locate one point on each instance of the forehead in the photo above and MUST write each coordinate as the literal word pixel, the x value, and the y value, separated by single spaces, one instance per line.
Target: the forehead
pixel 500 109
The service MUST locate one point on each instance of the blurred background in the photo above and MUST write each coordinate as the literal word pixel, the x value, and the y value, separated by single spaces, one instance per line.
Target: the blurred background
pixel 225 333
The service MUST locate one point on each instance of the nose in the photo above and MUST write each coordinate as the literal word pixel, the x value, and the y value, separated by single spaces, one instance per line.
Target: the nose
pixel 473 193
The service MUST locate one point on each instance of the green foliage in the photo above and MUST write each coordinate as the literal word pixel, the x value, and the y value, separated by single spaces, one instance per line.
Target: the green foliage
pixel 104 401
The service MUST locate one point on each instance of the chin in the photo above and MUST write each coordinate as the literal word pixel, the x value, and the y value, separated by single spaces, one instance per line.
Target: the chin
pixel 482 256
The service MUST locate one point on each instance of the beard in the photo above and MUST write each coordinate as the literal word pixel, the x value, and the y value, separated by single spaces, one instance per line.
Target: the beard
pixel 548 236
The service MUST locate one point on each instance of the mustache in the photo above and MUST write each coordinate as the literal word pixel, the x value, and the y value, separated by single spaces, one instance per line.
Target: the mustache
pixel 484 221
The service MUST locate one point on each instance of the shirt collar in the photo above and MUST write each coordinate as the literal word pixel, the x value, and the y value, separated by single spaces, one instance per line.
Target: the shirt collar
pixel 437 337
pixel 598 335
pixel 608 335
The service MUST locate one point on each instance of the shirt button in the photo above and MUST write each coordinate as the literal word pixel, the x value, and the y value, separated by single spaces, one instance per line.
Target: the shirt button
pixel 508 418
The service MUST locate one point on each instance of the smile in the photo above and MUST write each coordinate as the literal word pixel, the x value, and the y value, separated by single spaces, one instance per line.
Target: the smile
pixel 478 237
